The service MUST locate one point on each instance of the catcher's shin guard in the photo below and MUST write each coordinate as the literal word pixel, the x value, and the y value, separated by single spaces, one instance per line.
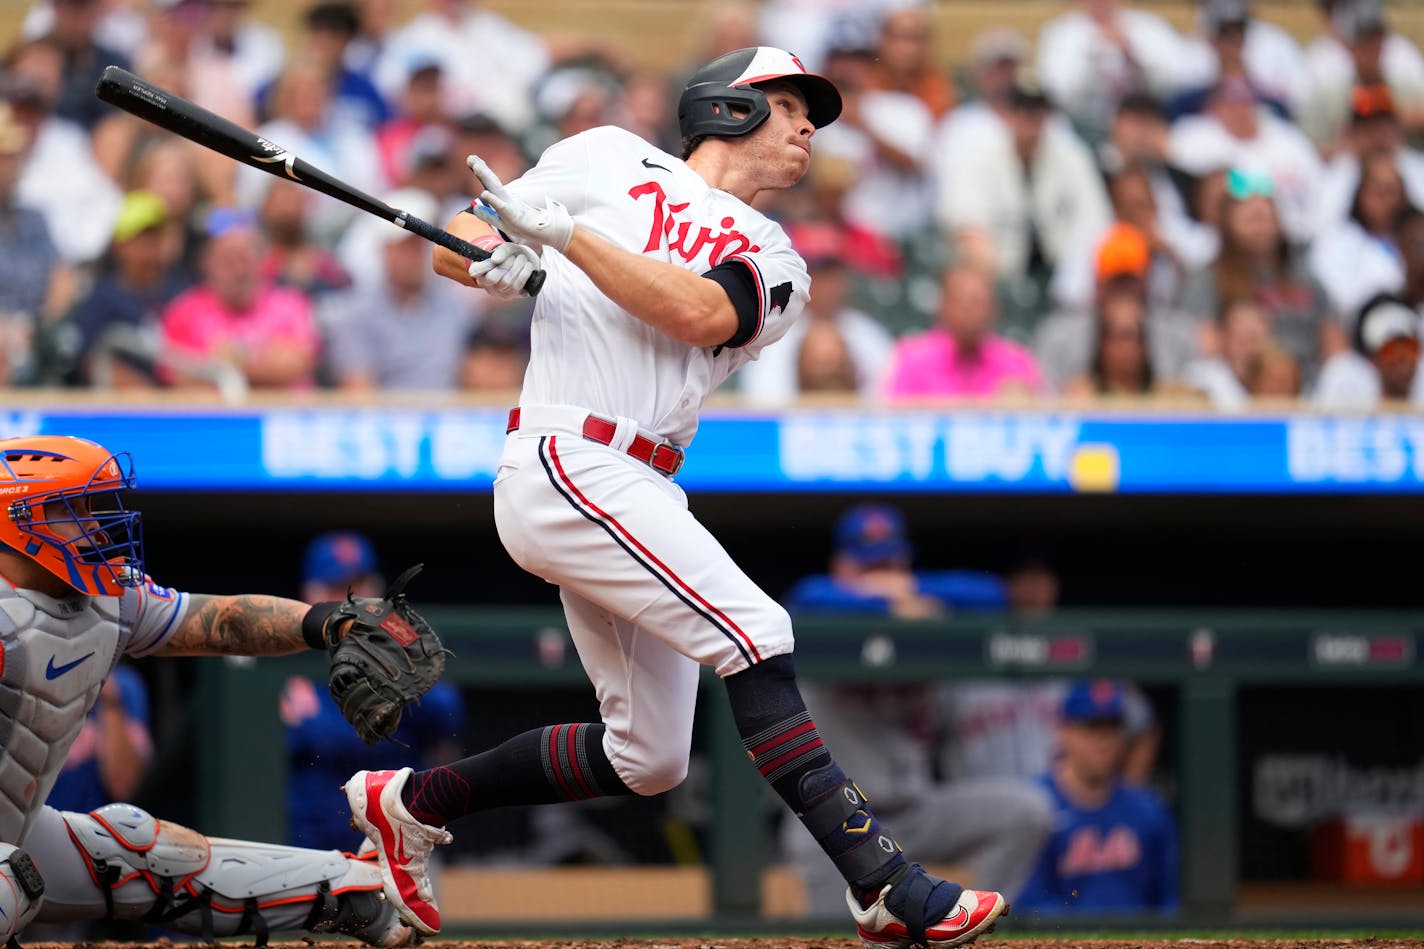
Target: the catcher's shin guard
pixel 176 878
pixel 21 890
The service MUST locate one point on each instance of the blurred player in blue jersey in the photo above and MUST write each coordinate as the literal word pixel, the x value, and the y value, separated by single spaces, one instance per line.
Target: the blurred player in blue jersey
pixel 991 827
pixel 872 572
pixel 322 750
pixel 1114 846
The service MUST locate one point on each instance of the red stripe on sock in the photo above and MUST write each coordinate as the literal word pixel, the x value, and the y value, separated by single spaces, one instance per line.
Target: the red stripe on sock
pixel 791 755
pixel 771 743
pixel 573 761
pixel 554 763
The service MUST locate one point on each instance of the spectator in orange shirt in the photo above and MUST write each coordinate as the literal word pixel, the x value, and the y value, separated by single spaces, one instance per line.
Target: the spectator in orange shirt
pixel 906 60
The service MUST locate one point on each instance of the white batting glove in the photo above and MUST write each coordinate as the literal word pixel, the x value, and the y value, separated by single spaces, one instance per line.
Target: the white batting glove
pixel 502 274
pixel 551 224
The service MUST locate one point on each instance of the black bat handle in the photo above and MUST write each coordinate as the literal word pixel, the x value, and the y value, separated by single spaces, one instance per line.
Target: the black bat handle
pixel 462 247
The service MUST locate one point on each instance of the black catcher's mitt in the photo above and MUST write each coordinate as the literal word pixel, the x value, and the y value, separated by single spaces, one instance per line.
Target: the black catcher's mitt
pixel 388 658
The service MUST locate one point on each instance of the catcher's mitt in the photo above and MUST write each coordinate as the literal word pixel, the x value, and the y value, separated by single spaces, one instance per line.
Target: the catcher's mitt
pixel 390 656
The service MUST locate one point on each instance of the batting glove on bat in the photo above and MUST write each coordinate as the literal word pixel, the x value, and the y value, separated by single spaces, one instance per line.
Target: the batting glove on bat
pixel 552 224
pixel 503 273
pixel 388 657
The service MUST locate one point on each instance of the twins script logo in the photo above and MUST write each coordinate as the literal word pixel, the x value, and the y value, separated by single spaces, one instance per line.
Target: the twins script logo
pixel 678 233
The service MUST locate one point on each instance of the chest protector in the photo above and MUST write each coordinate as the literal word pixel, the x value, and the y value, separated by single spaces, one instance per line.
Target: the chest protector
pixel 54 657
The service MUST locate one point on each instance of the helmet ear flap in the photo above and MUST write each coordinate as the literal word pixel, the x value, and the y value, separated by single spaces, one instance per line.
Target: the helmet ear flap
pixel 713 109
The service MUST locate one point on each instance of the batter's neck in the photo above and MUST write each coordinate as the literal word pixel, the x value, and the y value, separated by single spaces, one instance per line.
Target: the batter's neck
pixel 715 166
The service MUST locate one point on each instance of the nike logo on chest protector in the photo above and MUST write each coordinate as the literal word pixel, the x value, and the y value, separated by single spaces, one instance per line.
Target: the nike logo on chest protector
pixel 57 653
pixel 54 672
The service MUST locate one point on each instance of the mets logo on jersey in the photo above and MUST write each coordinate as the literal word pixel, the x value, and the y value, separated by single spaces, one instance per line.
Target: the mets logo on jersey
pixel 156 591
pixel 677 233
pixel 1089 850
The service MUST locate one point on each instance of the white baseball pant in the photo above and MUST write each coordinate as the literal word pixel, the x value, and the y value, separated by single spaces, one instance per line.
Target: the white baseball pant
pixel 648 592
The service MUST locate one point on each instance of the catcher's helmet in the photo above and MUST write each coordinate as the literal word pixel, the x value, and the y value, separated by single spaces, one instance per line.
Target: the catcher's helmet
pixel 731 80
pixel 45 482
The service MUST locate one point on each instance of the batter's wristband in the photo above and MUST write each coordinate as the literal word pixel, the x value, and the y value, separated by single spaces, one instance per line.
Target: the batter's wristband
pixel 314 622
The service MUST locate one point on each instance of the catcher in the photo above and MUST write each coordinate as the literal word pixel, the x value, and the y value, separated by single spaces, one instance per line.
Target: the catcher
pixel 74 598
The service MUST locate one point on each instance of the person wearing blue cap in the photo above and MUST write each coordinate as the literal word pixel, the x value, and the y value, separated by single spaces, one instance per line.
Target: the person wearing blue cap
pixel 992 827
pixel 322 750
pixel 871 572
pixel 1114 846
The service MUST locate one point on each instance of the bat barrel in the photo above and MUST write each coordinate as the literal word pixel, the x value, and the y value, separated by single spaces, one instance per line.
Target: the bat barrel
pixel 123 89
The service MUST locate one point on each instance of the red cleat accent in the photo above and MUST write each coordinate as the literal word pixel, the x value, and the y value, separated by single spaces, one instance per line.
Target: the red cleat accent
pixel 968 919
pixel 403 844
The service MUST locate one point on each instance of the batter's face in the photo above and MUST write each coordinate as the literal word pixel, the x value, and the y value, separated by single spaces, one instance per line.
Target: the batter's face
pixel 780 148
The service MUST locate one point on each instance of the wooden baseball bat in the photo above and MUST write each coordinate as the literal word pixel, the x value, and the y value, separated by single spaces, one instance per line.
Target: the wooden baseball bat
pixel 123 89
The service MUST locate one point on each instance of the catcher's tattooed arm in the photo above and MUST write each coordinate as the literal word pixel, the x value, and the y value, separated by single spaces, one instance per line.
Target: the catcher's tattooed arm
pixel 242 625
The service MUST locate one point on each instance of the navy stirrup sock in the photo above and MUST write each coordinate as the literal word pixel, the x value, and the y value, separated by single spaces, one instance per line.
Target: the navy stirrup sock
pixel 541 766
pixel 782 741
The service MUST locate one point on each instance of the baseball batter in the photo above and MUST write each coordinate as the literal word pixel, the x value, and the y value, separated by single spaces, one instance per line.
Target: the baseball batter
pixel 662 280
pixel 73 600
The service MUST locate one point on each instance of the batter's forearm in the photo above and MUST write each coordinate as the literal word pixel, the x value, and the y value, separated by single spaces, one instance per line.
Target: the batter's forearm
pixel 244 625
pixel 446 262
pixel 677 302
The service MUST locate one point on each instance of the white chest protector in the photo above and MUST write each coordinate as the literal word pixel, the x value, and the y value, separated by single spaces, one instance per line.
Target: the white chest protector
pixel 56 655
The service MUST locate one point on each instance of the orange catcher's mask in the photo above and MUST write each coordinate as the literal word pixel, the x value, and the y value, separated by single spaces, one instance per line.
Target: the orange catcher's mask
pixel 62 510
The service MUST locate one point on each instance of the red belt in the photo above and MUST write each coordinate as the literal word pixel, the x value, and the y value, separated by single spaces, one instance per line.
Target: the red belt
pixel 660 456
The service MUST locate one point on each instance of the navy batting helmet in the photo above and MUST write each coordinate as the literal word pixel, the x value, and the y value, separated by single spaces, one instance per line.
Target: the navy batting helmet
pixel 730 82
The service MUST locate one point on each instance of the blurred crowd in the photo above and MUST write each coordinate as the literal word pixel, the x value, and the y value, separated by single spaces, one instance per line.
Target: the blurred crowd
pixel 1112 207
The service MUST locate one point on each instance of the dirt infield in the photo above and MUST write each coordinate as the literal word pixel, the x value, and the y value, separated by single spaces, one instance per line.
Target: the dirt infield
pixel 799 942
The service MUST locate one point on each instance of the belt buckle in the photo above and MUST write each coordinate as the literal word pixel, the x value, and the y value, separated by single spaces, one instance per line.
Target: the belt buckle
pixel 679 456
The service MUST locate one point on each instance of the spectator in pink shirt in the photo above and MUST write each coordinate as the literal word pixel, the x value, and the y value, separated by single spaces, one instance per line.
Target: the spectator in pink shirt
pixel 962 356
pixel 268 332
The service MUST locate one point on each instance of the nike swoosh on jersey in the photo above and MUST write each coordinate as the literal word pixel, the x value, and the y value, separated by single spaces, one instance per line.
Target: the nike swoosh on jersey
pixel 54 672
pixel 650 164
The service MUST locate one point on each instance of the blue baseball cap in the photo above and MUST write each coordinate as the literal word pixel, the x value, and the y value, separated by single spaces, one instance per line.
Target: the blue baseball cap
pixel 1095 700
pixel 338 557
pixel 873 533
pixel 225 220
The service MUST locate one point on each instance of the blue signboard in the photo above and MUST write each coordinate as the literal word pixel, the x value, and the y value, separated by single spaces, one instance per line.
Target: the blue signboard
pixel 457 449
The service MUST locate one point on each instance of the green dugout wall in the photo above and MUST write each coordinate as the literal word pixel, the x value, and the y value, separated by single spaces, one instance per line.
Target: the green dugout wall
pixel 1205 659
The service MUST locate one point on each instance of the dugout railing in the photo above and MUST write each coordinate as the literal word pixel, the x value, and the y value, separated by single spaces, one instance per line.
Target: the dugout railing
pixel 1205 659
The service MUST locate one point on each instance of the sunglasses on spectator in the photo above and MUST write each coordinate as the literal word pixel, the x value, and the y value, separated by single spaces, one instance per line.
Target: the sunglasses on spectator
pixel 1244 184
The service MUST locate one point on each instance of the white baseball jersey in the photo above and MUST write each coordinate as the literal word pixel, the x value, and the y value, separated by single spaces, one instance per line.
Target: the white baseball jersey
pixel 56 655
pixel 648 592
pixel 589 353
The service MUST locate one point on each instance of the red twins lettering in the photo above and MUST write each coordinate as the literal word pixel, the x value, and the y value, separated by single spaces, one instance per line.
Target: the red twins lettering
pixel 728 242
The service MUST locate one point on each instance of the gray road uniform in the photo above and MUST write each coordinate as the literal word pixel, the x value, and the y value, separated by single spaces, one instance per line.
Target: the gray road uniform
pixel 118 861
